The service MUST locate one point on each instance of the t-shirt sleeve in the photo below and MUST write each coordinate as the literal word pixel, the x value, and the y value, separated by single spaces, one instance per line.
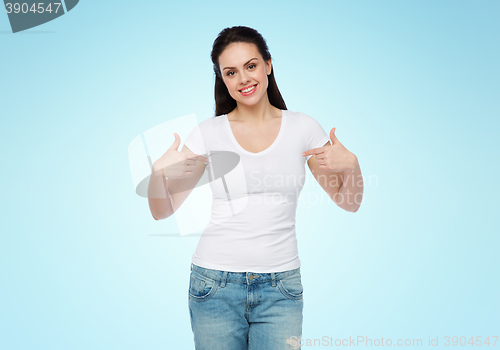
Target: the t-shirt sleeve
pixel 316 135
pixel 195 140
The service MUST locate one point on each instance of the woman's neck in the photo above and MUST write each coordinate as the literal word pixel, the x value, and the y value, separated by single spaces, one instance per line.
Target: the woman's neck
pixel 257 113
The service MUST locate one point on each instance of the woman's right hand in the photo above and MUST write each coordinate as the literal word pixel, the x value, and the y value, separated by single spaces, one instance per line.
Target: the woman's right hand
pixel 175 164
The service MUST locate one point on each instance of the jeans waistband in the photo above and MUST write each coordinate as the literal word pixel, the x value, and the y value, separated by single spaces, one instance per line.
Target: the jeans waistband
pixel 243 277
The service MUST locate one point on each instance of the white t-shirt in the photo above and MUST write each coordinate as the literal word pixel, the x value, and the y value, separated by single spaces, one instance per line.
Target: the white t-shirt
pixel 252 223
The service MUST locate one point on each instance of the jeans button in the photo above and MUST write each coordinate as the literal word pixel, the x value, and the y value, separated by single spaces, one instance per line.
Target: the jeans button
pixel 251 277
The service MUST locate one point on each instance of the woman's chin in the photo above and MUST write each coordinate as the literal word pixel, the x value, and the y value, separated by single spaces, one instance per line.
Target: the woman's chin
pixel 247 102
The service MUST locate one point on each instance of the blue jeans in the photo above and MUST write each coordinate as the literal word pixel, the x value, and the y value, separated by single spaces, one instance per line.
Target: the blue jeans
pixel 245 310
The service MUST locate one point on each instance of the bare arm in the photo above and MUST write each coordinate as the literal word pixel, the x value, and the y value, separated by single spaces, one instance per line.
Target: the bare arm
pixel 165 196
pixel 351 192
pixel 337 171
pixel 330 182
pixel 160 206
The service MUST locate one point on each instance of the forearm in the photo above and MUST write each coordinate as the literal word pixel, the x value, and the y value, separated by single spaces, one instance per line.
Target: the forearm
pixel 350 193
pixel 159 197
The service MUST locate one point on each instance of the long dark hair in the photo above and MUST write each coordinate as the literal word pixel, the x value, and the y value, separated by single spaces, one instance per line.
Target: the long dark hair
pixel 224 103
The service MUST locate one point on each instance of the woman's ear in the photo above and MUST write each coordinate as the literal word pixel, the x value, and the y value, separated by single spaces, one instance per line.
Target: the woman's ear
pixel 269 66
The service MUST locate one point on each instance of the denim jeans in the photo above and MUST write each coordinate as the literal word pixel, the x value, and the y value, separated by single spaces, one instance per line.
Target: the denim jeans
pixel 245 310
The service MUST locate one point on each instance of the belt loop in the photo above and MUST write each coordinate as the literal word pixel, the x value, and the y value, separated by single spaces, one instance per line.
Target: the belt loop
pixel 224 276
pixel 273 279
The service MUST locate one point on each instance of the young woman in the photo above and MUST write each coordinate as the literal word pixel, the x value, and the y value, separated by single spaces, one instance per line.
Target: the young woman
pixel 245 289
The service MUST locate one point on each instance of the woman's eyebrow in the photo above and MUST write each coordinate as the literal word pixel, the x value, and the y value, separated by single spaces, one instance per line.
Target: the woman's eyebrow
pixel 247 62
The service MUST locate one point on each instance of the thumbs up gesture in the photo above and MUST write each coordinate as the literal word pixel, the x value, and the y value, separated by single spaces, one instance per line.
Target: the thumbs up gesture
pixel 175 164
pixel 334 157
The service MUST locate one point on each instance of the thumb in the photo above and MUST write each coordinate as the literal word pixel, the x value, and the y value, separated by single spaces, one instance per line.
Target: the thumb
pixel 176 143
pixel 334 138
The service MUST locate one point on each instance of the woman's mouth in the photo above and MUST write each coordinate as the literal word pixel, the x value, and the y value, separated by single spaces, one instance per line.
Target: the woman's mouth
pixel 248 91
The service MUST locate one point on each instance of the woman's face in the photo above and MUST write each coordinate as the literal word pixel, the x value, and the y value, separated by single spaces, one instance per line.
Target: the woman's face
pixel 244 72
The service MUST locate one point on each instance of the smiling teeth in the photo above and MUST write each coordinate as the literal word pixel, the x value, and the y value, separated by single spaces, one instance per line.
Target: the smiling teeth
pixel 249 89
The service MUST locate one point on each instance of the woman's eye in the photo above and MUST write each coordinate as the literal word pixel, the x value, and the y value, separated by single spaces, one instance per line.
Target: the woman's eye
pixel 251 66
pixel 230 73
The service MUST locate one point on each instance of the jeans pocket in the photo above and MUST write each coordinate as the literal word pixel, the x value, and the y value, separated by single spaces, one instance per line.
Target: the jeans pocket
pixel 291 286
pixel 201 288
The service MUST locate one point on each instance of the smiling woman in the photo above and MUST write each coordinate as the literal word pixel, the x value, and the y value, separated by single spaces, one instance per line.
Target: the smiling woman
pixel 245 288
pixel 243 54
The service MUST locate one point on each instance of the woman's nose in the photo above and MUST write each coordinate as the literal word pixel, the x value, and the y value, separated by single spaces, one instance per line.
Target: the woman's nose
pixel 244 78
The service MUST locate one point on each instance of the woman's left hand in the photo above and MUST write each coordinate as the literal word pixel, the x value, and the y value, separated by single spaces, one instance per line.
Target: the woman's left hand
pixel 334 157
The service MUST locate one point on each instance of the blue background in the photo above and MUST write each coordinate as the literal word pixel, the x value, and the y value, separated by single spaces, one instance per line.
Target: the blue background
pixel 412 88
